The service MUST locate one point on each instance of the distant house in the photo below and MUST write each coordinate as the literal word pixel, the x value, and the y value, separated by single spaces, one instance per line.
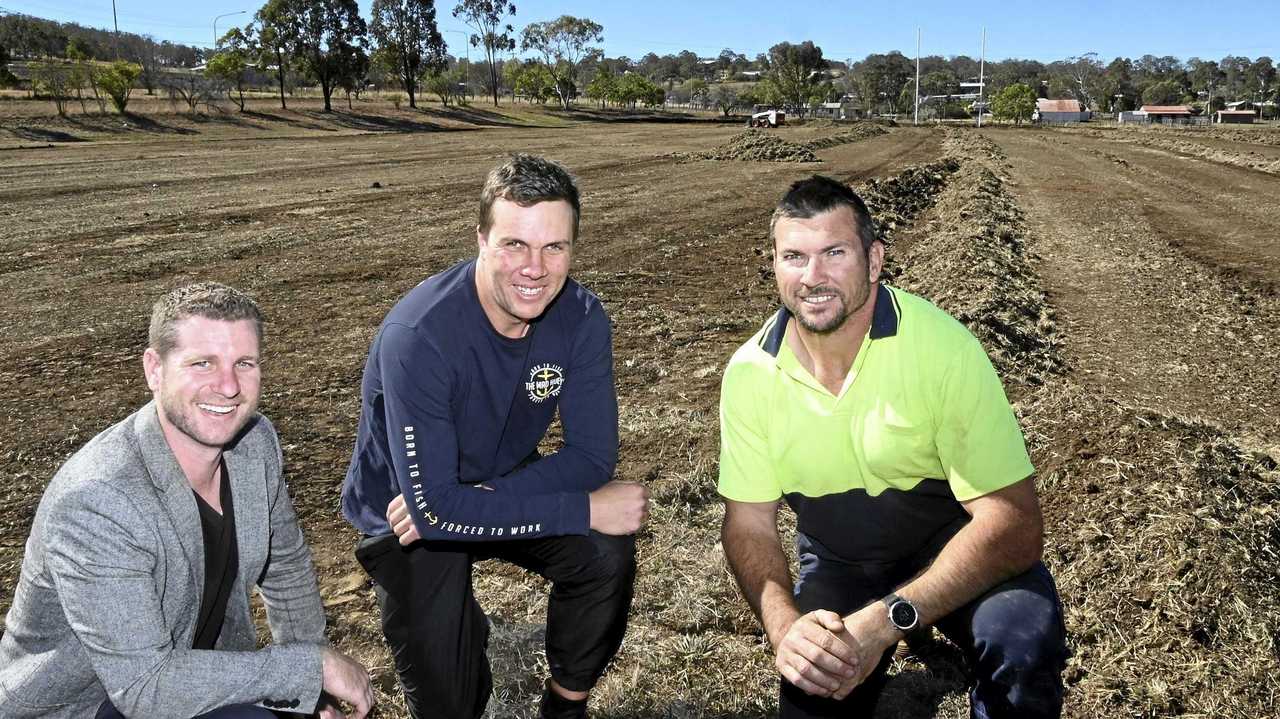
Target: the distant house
pixel 837 110
pixel 1167 114
pixel 1237 117
pixel 1059 111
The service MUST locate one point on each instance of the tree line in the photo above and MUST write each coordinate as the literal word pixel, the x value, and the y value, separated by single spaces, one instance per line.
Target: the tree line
pixel 24 36
pixel 329 44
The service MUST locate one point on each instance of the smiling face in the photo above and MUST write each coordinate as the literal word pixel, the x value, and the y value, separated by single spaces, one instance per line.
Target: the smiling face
pixel 207 385
pixel 824 276
pixel 523 261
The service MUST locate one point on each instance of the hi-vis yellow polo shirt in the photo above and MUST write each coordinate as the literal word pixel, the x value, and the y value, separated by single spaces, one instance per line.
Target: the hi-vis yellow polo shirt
pixel 877 472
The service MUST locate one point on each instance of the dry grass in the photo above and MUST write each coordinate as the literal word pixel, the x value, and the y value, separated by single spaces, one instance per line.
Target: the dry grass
pixel 1163 538
pixel 1162 533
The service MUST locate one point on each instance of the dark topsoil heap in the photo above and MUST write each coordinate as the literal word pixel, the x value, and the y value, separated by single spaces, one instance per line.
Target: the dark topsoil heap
pixel 764 146
pixel 974 263
pixel 1163 534
pixel 760 146
pixel 860 131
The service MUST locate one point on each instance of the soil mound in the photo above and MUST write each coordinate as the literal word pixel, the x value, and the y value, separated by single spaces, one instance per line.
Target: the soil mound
pixel 1164 538
pixel 972 260
pixel 760 146
pixel 1259 135
pixel 896 201
pixel 858 132
pixel 1190 147
pixel 1163 533
pixel 756 145
pixel 1190 141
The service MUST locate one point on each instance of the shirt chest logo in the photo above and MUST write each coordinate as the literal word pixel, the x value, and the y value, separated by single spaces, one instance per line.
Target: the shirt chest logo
pixel 545 381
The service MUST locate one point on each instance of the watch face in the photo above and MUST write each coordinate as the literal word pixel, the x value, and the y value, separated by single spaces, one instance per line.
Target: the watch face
pixel 903 615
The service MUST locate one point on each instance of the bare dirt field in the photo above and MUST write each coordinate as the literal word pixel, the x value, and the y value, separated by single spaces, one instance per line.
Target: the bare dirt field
pixel 1127 292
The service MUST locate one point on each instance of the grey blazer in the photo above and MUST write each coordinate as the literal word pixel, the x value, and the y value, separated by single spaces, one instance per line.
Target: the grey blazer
pixel 112 579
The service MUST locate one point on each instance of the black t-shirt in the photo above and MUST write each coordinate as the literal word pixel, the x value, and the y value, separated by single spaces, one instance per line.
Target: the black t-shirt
pixel 221 563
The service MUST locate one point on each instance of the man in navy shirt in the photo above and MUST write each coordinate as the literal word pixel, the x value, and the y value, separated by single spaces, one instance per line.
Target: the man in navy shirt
pixel 463 379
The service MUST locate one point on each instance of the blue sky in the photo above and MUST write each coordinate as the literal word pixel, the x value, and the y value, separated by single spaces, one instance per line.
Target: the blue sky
pixel 1035 30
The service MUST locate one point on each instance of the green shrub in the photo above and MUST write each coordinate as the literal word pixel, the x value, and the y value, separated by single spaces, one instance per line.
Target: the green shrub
pixel 117 81
pixel 1015 102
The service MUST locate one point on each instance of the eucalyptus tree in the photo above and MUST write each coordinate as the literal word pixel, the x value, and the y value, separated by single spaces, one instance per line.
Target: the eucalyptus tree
pixel 408 40
pixel 322 36
pixel 485 17
pixel 563 43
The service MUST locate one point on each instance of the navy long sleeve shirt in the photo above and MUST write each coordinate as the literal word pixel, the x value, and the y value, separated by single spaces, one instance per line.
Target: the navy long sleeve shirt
pixel 453 411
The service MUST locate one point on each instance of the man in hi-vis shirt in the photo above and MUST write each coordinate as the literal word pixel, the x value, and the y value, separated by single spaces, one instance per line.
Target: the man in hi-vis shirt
pixel 880 421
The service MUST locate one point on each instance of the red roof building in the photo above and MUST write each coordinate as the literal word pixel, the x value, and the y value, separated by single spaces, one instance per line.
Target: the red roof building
pixel 1044 105
pixel 1060 111
pixel 1167 110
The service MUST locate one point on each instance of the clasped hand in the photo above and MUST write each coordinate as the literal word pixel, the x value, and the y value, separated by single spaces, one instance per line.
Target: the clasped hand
pixel 820 656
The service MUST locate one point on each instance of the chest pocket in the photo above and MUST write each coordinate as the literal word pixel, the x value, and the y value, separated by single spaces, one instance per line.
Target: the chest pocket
pixel 894 446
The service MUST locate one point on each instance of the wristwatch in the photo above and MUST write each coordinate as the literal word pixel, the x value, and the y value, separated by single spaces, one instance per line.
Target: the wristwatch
pixel 901 612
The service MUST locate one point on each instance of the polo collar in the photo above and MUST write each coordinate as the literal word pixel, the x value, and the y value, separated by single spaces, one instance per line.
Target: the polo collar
pixel 774 333
pixel 884 321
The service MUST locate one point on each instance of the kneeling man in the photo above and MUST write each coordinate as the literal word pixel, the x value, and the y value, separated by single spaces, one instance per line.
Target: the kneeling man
pixel 463 381
pixel 134 594
pixel 882 423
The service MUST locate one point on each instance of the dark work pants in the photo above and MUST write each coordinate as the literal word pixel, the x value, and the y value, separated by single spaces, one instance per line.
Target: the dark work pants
pixel 239 711
pixel 438 633
pixel 1013 637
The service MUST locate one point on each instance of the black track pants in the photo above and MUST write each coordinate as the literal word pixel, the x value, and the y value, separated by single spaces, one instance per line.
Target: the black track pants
pixel 437 631
pixel 1013 636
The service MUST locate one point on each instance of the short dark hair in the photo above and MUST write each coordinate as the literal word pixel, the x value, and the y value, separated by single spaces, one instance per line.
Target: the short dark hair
pixel 819 194
pixel 203 299
pixel 527 180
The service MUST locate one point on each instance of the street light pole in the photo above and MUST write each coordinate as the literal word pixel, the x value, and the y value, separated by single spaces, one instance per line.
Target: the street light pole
pixel 466 43
pixel 982 69
pixel 215 24
pixel 466 48
pixel 916 120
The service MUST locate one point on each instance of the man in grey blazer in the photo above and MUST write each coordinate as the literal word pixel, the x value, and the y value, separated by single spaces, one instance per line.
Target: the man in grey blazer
pixel 134 594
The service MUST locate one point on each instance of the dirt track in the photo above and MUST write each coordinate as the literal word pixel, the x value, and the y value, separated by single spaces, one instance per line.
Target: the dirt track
pixel 1165 270
pixel 1159 268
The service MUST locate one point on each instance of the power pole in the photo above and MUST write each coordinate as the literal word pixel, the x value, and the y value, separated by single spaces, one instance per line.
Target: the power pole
pixel 916 121
pixel 982 67
pixel 115 22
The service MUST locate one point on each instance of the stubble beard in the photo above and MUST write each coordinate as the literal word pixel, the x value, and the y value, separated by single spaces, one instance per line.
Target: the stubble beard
pixel 838 320
pixel 181 419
